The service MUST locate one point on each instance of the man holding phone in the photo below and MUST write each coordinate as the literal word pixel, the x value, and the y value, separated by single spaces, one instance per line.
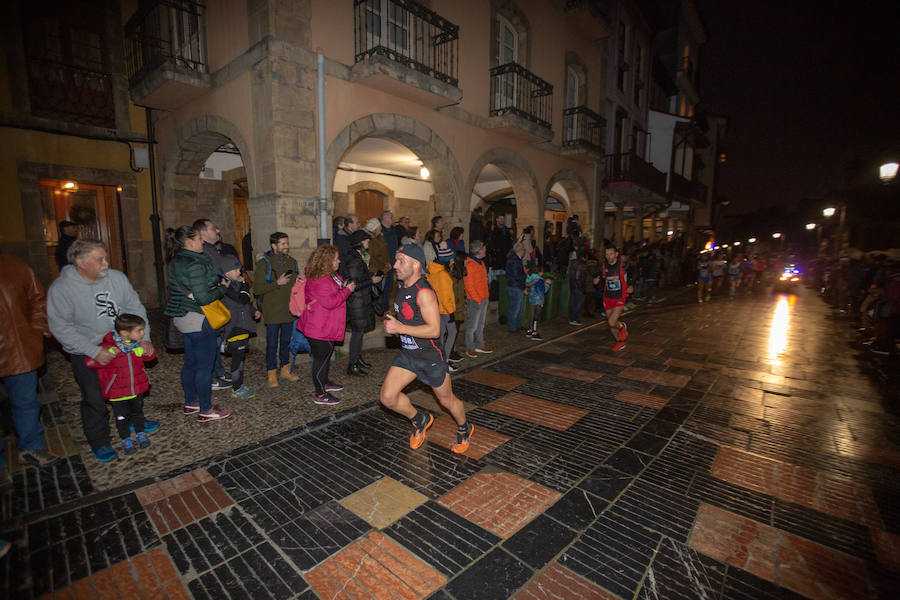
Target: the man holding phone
pixel 274 277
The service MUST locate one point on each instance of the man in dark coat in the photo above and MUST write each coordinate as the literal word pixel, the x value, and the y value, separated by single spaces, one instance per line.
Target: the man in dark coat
pixel 68 233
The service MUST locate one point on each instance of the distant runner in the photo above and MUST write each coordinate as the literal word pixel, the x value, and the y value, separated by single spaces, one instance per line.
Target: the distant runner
pixel 418 322
pixel 615 292
pixel 704 278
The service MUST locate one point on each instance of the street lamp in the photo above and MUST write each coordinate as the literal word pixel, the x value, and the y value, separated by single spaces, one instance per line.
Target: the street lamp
pixel 887 172
pixel 752 240
pixel 829 212
pixel 736 244
pixel 810 226
pixel 776 235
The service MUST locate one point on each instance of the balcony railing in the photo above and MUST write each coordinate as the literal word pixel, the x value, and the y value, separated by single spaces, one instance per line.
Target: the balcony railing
pixel 632 168
pixel 408 33
pixel 516 90
pixel 167 31
pixel 68 93
pixel 583 128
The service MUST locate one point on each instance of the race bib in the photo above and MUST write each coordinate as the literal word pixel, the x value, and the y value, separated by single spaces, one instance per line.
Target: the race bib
pixel 613 284
pixel 408 343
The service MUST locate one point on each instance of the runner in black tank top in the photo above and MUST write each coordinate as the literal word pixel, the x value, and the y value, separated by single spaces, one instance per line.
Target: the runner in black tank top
pixel 418 323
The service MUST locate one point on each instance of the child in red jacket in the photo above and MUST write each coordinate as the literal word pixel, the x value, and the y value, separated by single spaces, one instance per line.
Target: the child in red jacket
pixel 123 380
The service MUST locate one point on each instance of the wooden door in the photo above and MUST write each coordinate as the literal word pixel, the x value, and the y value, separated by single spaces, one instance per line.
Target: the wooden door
pixel 369 203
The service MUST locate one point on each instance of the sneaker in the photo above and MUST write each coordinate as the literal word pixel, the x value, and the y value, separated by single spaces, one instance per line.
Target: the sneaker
pixel 618 346
pixel 151 426
pixel 105 454
pixel 38 458
pixel 219 383
pixel 243 392
pixel 418 436
pixel 577 323
pixel 333 387
pixel 143 441
pixel 213 414
pixel 462 440
pixel 326 399
pixel 483 350
pixel 472 353
pixel 623 333
pixel 190 409
pixel 128 446
pixel 529 333
pixel 455 356
pixel 451 367
pixel 536 336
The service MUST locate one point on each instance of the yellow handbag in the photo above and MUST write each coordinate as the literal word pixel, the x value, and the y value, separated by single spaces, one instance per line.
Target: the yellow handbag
pixel 216 313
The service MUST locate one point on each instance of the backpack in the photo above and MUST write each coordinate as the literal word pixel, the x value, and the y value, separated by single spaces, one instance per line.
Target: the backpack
pixel 298 297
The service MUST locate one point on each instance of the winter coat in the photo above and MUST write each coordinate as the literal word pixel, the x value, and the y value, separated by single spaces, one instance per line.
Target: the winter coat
pixel 325 317
pixel 459 297
pixel 359 305
pixel 391 241
pixel 23 318
pixel 237 300
pixel 276 298
pixel 515 271
pixel 379 259
pixel 439 278
pixel 191 272
pixel 124 375
pixel 476 280
pixel 577 273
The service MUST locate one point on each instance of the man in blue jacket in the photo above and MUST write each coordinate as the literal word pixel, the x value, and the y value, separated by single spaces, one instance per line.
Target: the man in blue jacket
pixel 515 285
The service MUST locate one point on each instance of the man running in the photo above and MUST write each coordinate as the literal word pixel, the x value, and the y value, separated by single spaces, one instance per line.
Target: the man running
pixel 704 278
pixel 418 322
pixel 615 292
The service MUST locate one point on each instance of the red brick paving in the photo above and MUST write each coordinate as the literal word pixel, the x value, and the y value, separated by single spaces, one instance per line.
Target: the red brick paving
pixel 570 373
pixel 835 496
pixel 818 572
pixel 887 548
pixel 500 502
pixel 642 399
pixel 612 359
pixel 187 498
pixel 558 583
pixel 493 379
pixel 484 441
pixel 536 410
pixel 684 364
pixel 736 540
pixel 374 568
pixel 658 377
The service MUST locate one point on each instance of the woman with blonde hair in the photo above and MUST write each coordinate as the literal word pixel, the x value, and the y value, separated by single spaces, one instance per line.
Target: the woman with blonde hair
pixel 324 320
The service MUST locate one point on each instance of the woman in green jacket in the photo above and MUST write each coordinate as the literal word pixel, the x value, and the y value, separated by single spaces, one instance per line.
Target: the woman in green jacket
pixel 193 283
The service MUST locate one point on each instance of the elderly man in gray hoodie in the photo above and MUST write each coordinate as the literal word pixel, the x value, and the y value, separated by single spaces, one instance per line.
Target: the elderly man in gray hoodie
pixel 82 305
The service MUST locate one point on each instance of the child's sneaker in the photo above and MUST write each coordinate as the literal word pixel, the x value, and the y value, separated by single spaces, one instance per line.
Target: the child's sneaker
pixel 243 392
pixel 149 426
pixel 143 441
pixel 128 446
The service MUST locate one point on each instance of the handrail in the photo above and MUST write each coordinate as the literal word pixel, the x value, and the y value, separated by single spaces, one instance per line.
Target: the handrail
pixel 166 31
pixel 516 90
pixel 583 127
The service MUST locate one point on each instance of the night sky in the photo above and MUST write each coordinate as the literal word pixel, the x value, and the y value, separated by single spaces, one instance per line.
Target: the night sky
pixel 811 91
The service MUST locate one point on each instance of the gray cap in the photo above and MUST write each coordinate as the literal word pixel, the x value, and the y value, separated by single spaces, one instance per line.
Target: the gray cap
pixel 416 252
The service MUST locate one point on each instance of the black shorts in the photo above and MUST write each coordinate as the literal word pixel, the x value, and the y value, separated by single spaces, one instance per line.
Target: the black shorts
pixel 430 373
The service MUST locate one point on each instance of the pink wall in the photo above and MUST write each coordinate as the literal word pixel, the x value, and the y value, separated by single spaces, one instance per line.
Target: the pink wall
pixel 226 32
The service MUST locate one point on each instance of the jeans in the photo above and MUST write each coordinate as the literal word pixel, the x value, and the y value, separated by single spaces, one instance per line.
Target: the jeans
pixel 26 411
pixel 280 346
pixel 94 414
pixel 475 314
pixel 127 413
pixel 515 308
pixel 196 374
pixel 576 297
pixel 321 351
pixel 356 344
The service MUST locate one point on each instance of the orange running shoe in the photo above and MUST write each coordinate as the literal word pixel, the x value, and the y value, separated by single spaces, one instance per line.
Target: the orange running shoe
pixel 462 441
pixel 618 346
pixel 418 436
pixel 623 333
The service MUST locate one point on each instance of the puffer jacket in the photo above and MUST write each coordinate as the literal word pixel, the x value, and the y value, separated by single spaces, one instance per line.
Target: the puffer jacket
pixel 325 317
pixel 124 375
pixel 359 305
pixel 191 272
pixel 23 318
pixel 439 278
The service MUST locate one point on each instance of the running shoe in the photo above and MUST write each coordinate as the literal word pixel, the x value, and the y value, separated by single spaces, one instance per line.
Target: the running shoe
pixel 333 387
pixel 128 446
pixel 455 356
pixel 536 336
pixel 472 353
pixel 618 346
pixel 326 399
pixel 243 392
pixel 143 441
pixel 213 414
pixel 577 323
pixel 220 383
pixel 484 350
pixel 418 436
pixel 462 440
pixel 452 367
pixel 189 409
pixel 105 454
pixel 623 333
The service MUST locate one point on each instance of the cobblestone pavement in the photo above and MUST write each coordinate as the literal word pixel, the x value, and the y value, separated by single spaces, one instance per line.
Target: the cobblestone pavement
pixel 737 449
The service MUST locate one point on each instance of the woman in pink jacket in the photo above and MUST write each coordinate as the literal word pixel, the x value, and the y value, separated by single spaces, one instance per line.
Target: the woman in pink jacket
pixel 325 318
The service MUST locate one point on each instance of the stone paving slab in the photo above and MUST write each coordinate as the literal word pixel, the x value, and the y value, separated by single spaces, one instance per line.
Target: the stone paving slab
pixel 718 456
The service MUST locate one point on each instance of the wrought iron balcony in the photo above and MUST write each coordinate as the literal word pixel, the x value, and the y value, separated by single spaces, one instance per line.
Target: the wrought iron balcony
pixel 583 129
pixel 68 93
pixel 165 52
pixel 407 33
pixel 628 167
pixel 517 91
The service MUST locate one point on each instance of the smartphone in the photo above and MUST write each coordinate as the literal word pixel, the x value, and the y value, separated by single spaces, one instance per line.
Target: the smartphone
pixel 379 273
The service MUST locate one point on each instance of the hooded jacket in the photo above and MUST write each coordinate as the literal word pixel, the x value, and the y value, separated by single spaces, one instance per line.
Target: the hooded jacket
pixel 23 318
pixel 325 317
pixel 124 375
pixel 476 280
pixel 80 313
pixel 439 278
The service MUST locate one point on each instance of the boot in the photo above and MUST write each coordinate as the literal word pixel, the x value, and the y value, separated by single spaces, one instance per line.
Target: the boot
pixel 356 371
pixel 286 373
pixel 273 378
pixel 363 363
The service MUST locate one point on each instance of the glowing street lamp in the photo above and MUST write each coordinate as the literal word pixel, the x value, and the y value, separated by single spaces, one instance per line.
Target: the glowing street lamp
pixel 670 232
pixel 829 212
pixel 752 240
pixel 736 244
pixel 810 226
pixel 887 171
pixel 424 172
pixel 776 235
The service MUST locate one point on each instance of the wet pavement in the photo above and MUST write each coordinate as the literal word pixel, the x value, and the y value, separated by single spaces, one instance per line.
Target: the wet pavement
pixel 736 449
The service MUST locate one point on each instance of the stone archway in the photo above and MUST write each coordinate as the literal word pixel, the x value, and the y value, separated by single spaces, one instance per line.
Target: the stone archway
pixel 434 153
pixel 578 200
pixel 181 195
pixel 529 207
